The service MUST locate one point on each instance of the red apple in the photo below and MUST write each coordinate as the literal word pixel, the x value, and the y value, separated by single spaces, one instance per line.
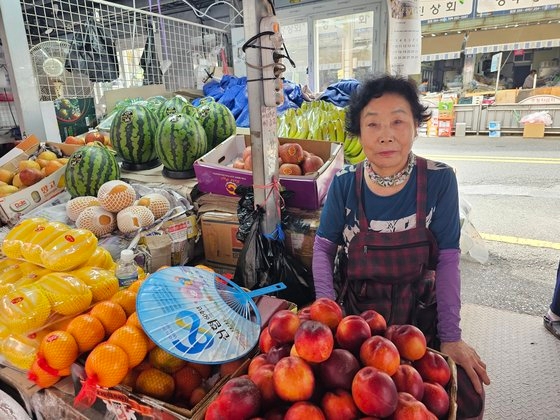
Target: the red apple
pixel 266 342
pixel 283 326
pixel 433 368
pixel 436 399
pixel 410 341
pixel 327 311
pixel 293 379
pixel 314 341
pixel 376 321
pixel 338 370
pixel 339 404
pixel 374 392
pixel 409 408
pixel 407 379
pixel 380 353
pixel 351 332
pixel 304 410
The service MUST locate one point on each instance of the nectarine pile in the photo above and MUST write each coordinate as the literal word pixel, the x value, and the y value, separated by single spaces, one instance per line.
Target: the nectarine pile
pixel 319 364
pixel 293 160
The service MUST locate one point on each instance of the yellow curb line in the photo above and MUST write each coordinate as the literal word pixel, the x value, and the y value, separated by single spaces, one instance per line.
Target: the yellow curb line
pixel 520 241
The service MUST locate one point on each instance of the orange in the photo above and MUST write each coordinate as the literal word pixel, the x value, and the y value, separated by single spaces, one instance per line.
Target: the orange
pixel 87 330
pixel 127 299
pixel 186 380
pixel 59 348
pixel 155 384
pixel 134 321
pixel 107 363
pixel 162 360
pixel 132 341
pixel 111 315
pixel 135 286
pixel 41 377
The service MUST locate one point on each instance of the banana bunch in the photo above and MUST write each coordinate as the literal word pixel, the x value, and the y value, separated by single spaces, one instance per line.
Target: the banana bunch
pixel 320 120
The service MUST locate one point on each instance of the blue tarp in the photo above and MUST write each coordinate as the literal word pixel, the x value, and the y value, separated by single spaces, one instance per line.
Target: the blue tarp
pixel 231 91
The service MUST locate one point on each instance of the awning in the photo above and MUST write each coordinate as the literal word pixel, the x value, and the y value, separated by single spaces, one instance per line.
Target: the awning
pixel 445 47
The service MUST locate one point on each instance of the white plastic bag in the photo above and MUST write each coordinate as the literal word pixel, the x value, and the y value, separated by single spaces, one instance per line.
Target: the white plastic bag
pixel 471 242
pixel 537 117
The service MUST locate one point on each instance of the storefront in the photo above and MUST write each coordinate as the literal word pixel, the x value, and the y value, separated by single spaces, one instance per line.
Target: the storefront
pixel 458 45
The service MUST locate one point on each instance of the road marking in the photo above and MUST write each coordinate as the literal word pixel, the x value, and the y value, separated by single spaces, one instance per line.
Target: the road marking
pixel 520 241
pixel 548 161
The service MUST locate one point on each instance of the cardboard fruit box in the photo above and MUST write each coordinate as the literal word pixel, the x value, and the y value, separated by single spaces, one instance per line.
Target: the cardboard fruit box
pixel 21 202
pixel 215 173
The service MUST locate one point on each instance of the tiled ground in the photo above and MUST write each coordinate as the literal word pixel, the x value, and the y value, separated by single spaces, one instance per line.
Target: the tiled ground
pixel 523 361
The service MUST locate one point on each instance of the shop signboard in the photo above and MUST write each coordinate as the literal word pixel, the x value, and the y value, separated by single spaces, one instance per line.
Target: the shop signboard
pixel 435 10
pixel 491 7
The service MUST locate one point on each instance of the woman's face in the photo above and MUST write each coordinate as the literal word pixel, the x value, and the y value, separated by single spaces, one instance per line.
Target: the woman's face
pixel 387 129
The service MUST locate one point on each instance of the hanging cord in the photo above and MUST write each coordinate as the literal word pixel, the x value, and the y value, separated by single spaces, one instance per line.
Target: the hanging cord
pixel 205 14
pixel 273 192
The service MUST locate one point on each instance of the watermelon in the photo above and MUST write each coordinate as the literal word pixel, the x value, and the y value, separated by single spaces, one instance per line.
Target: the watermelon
pixel 180 141
pixel 217 120
pixel 154 103
pixel 133 134
pixel 88 168
pixel 176 105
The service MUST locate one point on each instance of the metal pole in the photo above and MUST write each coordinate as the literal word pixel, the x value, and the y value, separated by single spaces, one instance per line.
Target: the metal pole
pixel 262 121
pixel 18 61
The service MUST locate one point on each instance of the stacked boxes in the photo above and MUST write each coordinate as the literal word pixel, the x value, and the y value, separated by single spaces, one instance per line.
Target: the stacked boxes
pixel 494 128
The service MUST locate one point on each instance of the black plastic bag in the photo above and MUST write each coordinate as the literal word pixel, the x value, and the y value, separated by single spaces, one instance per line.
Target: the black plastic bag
pixel 264 260
pixel 92 53
pixel 149 61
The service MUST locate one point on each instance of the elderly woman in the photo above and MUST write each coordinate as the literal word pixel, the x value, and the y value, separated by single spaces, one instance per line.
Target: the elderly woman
pixel 394 220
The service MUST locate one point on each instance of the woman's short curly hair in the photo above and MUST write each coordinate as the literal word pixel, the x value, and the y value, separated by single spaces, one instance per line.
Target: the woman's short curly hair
pixel 375 88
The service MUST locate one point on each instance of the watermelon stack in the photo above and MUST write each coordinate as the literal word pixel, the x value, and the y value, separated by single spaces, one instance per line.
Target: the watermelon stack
pixel 180 141
pixel 88 168
pixel 176 105
pixel 217 120
pixel 133 134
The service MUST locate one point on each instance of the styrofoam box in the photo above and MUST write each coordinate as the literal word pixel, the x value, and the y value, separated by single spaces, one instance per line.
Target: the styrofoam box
pixel 215 174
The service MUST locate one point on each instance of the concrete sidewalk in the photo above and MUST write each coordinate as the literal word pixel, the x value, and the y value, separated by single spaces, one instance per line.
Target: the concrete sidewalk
pixel 522 361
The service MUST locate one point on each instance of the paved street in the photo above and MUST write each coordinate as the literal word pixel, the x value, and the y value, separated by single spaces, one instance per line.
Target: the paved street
pixel 513 186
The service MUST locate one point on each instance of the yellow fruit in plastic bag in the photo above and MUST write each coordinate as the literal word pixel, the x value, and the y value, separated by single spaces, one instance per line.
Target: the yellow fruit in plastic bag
pixel 42 235
pixel 9 277
pixel 7 264
pixel 11 245
pixel 100 258
pixel 24 309
pixel 67 294
pixel 18 352
pixel 69 250
pixel 102 283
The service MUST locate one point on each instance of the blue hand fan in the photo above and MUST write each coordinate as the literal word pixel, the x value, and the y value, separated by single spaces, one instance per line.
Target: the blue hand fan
pixel 200 316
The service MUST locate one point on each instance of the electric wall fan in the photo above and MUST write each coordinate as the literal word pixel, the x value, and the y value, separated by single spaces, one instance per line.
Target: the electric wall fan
pixel 53 80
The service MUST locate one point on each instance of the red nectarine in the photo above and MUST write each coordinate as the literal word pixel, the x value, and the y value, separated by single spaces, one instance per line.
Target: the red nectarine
pixel 410 341
pixel 380 353
pixel 436 399
pixel 374 392
pixel 314 341
pixel 351 332
pixel 376 321
pixel 283 326
pixel 338 371
pixel 407 379
pixel 326 311
pixel 293 379
pixel 433 368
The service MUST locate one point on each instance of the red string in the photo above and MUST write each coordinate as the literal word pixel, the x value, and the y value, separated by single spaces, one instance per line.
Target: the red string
pixel 273 190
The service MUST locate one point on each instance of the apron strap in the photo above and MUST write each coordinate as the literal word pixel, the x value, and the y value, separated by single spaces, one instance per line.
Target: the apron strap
pixel 421 194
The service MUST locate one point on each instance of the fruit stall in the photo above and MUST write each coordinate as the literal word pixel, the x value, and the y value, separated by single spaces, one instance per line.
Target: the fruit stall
pixel 80 342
